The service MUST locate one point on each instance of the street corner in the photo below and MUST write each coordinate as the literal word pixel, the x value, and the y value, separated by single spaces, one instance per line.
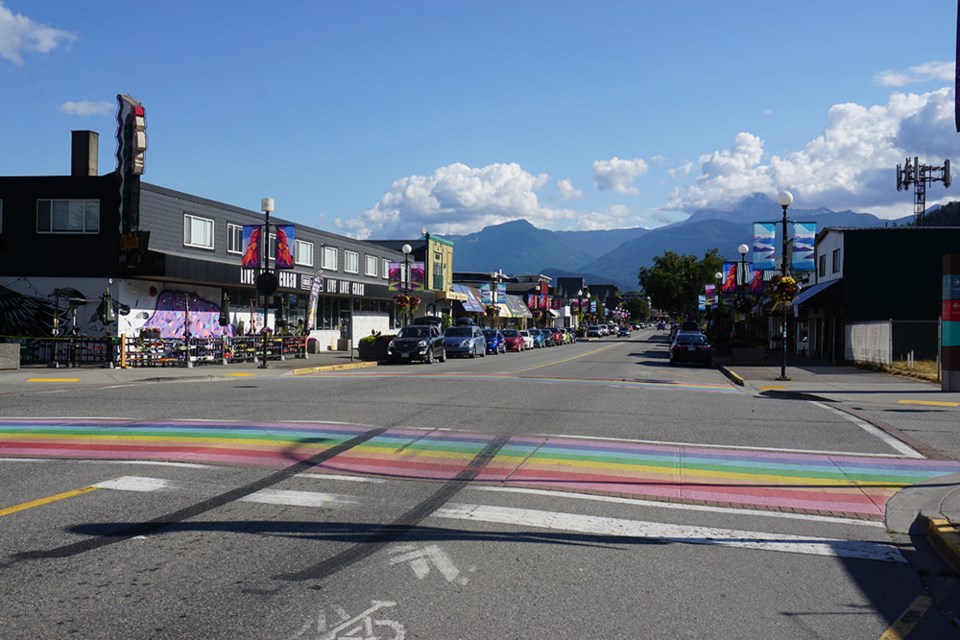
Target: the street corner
pixel 302 371
pixel 732 376
pixel 944 535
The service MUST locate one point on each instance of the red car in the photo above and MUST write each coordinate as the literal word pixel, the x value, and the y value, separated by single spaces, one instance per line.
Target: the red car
pixel 557 336
pixel 513 339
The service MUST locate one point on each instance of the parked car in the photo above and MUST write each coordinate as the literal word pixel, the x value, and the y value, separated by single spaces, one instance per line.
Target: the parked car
pixel 624 331
pixel 513 340
pixel 661 326
pixel 495 341
pixel 417 342
pixel 557 336
pixel 594 331
pixel 691 346
pixel 465 340
pixel 539 338
pixel 527 339
pixel 571 336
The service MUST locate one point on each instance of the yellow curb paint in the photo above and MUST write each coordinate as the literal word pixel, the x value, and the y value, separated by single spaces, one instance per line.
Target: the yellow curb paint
pixel 778 387
pixel 333 367
pixel 239 375
pixel 53 379
pixel 903 625
pixel 47 500
pixel 932 403
pixel 945 537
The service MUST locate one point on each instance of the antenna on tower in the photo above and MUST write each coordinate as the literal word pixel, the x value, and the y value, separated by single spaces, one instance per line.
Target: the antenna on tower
pixel 918 175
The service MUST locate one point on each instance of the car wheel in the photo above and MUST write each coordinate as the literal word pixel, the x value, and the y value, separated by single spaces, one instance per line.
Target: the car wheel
pixel 473 352
pixel 429 358
pixel 443 355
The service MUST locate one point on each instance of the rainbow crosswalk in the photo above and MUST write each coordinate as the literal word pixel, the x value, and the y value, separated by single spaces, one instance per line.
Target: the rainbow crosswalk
pixel 843 485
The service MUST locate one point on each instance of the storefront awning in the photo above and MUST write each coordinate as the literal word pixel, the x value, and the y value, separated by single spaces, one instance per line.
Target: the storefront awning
pixel 517 308
pixel 824 294
pixel 472 303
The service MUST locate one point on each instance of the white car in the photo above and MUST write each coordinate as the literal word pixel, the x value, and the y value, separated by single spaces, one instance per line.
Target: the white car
pixel 527 339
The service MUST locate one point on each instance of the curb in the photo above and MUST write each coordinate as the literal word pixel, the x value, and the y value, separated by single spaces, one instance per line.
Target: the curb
pixel 732 376
pixel 333 367
pixel 945 538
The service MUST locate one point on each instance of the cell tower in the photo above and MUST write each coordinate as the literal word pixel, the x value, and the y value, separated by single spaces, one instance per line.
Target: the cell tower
pixel 918 175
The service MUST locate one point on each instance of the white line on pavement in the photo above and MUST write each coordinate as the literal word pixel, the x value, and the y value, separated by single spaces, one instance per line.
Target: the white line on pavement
pixel 333 476
pixel 298 498
pixel 135 483
pixel 683 507
pixel 892 442
pixel 596 525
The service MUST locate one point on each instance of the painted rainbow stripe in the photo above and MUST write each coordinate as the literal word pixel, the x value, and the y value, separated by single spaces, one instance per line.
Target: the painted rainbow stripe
pixel 852 486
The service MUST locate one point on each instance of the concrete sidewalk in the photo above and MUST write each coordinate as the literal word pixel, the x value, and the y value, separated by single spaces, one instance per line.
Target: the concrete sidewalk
pixel 929 509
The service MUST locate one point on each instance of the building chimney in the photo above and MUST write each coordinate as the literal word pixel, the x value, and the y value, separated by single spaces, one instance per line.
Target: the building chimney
pixel 83 156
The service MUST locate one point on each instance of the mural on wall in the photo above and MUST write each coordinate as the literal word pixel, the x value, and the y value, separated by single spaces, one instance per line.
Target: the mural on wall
pixel 176 309
pixel 66 310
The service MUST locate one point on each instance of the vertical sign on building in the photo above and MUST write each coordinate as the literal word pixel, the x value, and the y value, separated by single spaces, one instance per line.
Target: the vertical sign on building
pixel 950 319
pixel 131 151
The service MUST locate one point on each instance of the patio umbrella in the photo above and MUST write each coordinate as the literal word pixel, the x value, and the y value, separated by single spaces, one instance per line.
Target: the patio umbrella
pixel 105 310
pixel 225 310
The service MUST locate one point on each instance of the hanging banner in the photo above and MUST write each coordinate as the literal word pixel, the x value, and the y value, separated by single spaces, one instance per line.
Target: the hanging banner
pixel 395 276
pixel 283 254
pixel 585 303
pixel 729 277
pixel 417 276
pixel 315 286
pixel 756 283
pixel 710 294
pixel 544 301
pixel 744 273
pixel 804 252
pixel 593 306
pixel 532 300
pixel 764 245
pixel 701 302
pixel 486 295
pixel 251 246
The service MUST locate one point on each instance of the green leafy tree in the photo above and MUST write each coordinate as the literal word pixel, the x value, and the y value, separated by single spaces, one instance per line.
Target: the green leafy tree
pixel 637 305
pixel 675 281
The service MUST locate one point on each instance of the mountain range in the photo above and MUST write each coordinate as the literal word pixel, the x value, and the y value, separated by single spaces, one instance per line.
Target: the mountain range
pixel 614 256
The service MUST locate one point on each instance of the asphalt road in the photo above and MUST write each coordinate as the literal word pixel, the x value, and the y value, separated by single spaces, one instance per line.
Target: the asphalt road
pixel 288 549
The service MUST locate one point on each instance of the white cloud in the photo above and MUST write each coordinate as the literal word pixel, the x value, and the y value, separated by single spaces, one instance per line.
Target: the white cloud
pixel 850 165
pixel 567 191
pixel 939 71
pixel 86 108
pixel 617 174
pixel 19 35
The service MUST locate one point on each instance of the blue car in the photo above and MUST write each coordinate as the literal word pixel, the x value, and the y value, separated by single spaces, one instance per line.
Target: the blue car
pixel 495 341
pixel 539 340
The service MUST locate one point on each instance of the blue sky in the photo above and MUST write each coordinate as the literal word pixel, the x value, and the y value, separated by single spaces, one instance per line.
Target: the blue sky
pixel 376 118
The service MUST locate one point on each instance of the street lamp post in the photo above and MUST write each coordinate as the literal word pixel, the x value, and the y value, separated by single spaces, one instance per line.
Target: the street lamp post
pixel 266 205
pixel 784 199
pixel 407 249
pixel 741 281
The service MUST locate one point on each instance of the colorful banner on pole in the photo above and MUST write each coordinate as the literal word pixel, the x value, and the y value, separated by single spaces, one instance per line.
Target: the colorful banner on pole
pixel 701 302
pixel 729 278
pixel 251 246
pixel 283 255
pixel 764 245
pixel 756 283
pixel 395 277
pixel 710 294
pixel 804 252
pixel 417 279
pixel 315 285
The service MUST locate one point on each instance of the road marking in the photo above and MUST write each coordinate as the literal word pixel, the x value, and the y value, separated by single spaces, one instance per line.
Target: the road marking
pixel 298 498
pixel 891 442
pixel 53 379
pixel 550 364
pixel 903 625
pixel 358 627
pixel 239 375
pixel 618 527
pixel 333 476
pixel 42 501
pixel 932 403
pixel 135 483
pixel 683 507
pixel 420 559
pixel 779 387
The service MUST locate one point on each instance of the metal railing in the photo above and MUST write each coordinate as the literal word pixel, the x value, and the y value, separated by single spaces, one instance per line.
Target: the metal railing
pixel 141 351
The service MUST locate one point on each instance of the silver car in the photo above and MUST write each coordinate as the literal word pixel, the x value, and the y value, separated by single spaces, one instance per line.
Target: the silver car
pixel 465 340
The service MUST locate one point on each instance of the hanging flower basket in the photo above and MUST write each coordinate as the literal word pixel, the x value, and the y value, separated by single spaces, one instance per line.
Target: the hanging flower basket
pixel 783 289
pixel 404 301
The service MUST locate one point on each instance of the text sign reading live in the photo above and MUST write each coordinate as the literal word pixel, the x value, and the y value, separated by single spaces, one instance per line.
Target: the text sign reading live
pixel 288 280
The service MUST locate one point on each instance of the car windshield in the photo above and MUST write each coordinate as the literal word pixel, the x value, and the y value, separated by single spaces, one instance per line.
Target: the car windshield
pixel 691 338
pixel 490 333
pixel 510 333
pixel 459 332
pixel 414 332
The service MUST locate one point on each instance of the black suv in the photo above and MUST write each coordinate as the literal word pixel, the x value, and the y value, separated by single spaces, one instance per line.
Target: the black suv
pixel 418 342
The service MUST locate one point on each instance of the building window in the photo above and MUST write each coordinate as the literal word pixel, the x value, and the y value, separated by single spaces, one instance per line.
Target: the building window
pixel 385 271
pixel 303 253
pixel 371 269
pixel 822 266
pixel 68 216
pixel 836 261
pixel 351 262
pixel 197 232
pixel 329 258
pixel 234 238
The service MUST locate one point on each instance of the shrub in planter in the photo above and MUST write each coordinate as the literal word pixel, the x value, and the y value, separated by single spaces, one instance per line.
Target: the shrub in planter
pixel 374 346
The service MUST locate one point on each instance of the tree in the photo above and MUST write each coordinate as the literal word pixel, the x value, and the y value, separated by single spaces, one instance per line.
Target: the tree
pixel 637 305
pixel 674 282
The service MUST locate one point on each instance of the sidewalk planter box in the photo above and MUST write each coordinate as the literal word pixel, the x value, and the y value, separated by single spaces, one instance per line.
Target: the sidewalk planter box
pixel 747 356
pixel 372 350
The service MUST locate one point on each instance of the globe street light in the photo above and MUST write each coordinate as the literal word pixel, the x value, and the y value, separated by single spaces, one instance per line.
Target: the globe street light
pixel 407 249
pixel 784 199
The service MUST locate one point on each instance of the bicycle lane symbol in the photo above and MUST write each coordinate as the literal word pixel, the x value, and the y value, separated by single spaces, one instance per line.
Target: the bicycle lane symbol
pixel 359 627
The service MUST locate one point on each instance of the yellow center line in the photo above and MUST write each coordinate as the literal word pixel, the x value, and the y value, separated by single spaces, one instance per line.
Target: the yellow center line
pixel 42 501
pixel 932 403
pixel 550 364
pixel 53 379
pixel 903 625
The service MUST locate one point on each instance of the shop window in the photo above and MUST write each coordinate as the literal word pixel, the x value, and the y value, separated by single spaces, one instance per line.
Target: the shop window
pixel 234 238
pixel 351 262
pixel 822 266
pixel 303 253
pixel 329 259
pixel 371 269
pixel 68 216
pixel 836 261
pixel 197 232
